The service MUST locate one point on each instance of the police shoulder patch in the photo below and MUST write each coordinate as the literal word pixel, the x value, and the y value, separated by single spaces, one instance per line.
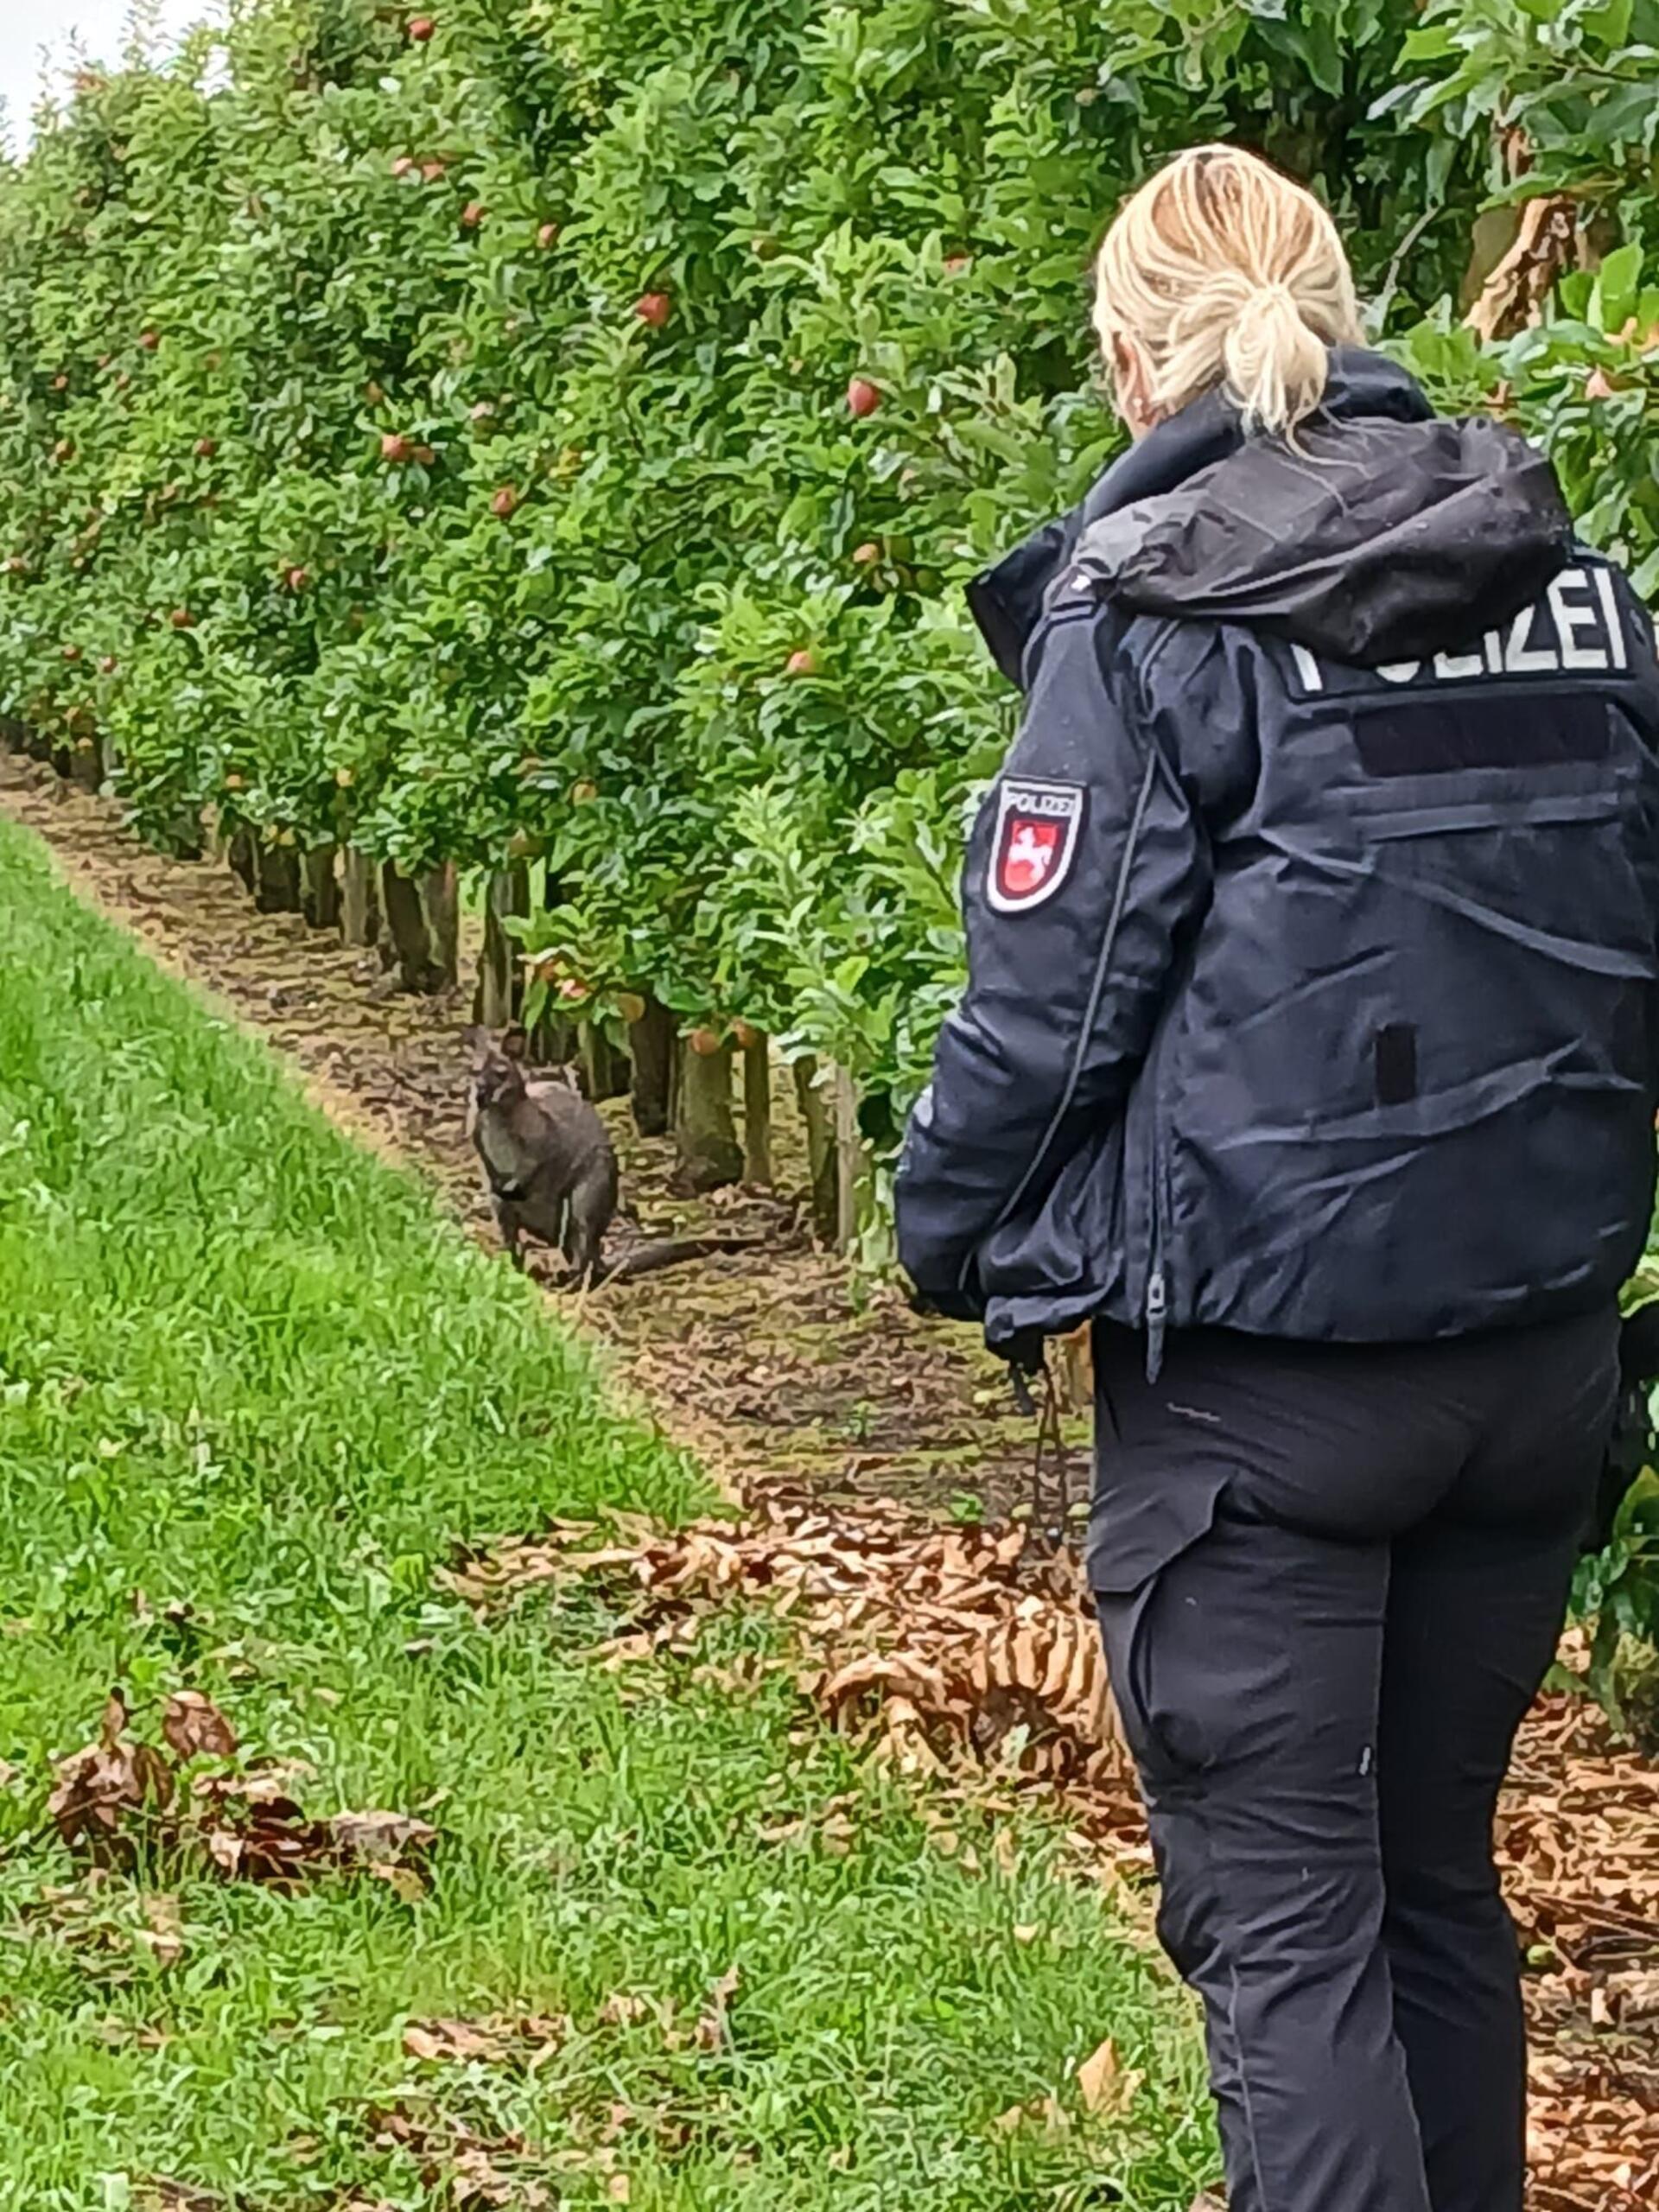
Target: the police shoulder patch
pixel 1036 841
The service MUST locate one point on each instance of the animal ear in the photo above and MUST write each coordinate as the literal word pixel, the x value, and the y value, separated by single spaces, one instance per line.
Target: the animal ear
pixel 514 1042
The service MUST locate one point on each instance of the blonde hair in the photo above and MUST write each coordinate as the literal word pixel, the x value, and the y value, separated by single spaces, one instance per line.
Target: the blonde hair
pixel 1222 271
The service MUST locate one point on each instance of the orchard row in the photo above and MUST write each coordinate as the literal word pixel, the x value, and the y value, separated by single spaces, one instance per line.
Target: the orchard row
pixel 531 451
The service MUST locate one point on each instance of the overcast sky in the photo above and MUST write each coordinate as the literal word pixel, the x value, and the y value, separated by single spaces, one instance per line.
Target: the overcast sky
pixel 26 26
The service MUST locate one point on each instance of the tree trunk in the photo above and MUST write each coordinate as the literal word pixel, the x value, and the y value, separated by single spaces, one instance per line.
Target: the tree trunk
pixel 276 886
pixel 319 889
pixel 441 896
pixel 605 1068
pixel 500 991
pixel 849 1161
pixel 87 764
pixel 554 1041
pixel 820 1148
pixel 360 904
pixel 404 913
pixel 705 1134
pixel 651 1043
pixel 239 852
pixel 757 1112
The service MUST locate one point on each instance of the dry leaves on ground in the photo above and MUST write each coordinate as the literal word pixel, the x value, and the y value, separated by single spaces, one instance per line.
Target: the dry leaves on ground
pixel 949 1645
pixel 119 1796
pixel 1580 1845
pixel 958 1653
pixel 528 2042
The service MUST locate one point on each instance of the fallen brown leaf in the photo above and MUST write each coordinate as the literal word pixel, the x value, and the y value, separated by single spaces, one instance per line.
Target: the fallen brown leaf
pixel 1103 2086
pixel 193 1724
pixel 101 1792
pixel 164 1930
pixel 449 2040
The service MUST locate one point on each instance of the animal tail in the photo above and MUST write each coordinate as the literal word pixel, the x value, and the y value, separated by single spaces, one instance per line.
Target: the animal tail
pixel 659 1252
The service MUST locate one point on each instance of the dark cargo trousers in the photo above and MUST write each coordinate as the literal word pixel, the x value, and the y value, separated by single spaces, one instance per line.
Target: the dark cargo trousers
pixel 1331 1581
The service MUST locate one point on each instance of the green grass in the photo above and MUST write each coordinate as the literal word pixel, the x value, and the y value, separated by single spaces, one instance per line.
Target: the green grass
pixel 247 1370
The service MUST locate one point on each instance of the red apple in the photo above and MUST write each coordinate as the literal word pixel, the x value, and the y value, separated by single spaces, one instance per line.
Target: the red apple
pixel 296 578
pixel 503 503
pixel 433 169
pixel 206 448
pixel 867 554
pixel 182 618
pixel 483 410
pixel 235 782
pixel 803 662
pixel 1598 386
pixel 420 29
pixel 64 449
pixel 956 263
pixel 425 455
pixel 745 1034
pixel 60 383
pixel 631 1005
pixel 571 989
pixel 473 214
pixel 403 165
pixel 149 339
pixel 548 235
pixel 862 397
pixel 704 1042
pixel 395 448
pixel 72 652
pixel 655 309
pixel 345 778
pixel 108 666
pixel 583 794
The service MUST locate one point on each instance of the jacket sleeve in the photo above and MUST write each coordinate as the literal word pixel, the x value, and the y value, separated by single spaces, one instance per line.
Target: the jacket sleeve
pixel 1085 863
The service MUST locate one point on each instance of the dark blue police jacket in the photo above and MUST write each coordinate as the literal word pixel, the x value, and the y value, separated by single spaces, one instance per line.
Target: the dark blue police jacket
pixel 1312 922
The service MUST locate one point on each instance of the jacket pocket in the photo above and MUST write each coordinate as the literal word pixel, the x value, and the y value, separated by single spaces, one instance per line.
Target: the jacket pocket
pixel 1139 1531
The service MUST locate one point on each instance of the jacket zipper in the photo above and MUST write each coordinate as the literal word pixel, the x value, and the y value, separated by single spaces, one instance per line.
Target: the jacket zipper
pixel 1157 1300
pixel 1157 1292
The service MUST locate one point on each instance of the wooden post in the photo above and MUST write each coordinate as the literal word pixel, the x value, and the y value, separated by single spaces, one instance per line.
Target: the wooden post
pixel 499 993
pixel 359 905
pixel 820 1147
pixel 757 1112
pixel 319 889
pixel 404 913
pixel 87 764
pixel 276 889
pixel 705 1133
pixel 239 852
pixel 850 1160
pixel 651 1050
pixel 441 897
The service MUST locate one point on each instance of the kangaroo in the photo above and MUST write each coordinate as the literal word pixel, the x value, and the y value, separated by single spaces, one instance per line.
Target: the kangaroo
pixel 552 1172
pixel 546 1156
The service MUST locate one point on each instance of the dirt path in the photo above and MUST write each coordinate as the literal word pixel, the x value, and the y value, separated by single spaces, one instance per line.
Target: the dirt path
pixel 804 1393
pixel 779 1361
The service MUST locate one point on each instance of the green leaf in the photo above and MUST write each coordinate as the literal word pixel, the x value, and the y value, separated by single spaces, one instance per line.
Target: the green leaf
pixel 1617 285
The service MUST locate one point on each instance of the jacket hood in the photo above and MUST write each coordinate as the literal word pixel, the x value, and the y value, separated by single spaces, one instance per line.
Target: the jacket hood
pixel 1386 534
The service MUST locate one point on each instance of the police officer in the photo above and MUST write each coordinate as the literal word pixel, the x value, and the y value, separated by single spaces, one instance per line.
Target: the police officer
pixel 1309 1049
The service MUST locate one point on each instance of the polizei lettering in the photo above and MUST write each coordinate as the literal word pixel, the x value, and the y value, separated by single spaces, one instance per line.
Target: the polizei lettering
pixel 1574 629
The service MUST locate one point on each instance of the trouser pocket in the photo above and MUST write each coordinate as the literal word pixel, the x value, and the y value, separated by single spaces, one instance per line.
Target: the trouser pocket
pixel 1144 1523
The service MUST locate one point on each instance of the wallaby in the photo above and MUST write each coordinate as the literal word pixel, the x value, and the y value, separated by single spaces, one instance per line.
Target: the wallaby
pixel 552 1172
pixel 546 1156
